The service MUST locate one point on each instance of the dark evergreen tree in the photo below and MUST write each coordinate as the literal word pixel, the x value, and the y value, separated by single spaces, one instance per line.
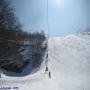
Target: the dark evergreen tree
pixel 12 37
pixel 9 25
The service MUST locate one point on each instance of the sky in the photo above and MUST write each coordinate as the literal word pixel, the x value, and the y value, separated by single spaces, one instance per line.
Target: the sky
pixel 64 16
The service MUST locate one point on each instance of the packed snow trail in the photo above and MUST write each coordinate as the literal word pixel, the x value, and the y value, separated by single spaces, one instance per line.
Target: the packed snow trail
pixel 68 63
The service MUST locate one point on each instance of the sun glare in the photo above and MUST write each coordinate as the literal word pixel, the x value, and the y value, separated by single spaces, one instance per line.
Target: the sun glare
pixel 58 2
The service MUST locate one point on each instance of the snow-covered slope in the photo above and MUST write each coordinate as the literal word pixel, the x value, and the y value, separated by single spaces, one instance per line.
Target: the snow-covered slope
pixel 68 63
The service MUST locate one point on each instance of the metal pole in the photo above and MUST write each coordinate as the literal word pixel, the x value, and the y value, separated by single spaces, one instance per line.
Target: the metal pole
pixel 47 37
pixel 47 20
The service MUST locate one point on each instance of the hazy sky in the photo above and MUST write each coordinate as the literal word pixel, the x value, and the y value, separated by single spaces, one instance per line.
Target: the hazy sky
pixel 65 16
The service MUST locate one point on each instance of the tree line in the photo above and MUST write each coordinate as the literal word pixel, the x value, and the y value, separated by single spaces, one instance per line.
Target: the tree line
pixel 12 36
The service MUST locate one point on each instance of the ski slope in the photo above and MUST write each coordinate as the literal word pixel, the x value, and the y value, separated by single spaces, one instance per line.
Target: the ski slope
pixel 69 64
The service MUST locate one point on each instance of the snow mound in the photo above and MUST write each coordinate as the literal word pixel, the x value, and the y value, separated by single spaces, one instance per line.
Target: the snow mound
pixel 68 63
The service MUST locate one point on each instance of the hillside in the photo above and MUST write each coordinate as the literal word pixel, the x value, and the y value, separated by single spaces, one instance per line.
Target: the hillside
pixel 68 63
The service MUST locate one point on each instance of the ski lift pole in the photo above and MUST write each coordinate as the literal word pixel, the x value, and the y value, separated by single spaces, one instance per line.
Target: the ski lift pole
pixel 47 39
pixel 47 22
pixel 47 62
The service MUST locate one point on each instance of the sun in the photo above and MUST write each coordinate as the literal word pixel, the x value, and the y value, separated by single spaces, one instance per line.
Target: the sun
pixel 57 2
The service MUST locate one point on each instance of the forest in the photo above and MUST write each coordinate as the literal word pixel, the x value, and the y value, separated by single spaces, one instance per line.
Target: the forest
pixel 13 38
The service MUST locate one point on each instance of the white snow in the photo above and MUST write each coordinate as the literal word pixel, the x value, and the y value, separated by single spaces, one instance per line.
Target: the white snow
pixel 68 63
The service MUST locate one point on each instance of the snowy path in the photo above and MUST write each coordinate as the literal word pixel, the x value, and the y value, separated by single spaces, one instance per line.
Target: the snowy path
pixel 69 66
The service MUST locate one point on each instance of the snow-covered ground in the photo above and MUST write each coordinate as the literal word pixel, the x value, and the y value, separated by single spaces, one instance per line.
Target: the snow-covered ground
pixel 69 64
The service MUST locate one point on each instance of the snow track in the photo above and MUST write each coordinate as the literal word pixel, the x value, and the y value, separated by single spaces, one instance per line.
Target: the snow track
pixel 68 63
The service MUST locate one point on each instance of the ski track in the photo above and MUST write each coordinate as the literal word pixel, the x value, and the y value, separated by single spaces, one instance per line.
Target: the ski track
pixel 68 63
